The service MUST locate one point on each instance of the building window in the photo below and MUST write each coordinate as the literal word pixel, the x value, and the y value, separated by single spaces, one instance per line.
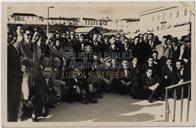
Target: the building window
pixel 157 28
pixel 185 12
pixel 170 15
pixel 158 17
pixel 177 13
pixel 152 18
pixel 163 16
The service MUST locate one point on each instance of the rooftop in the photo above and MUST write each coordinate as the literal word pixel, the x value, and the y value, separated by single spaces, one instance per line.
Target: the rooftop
pixel 23 14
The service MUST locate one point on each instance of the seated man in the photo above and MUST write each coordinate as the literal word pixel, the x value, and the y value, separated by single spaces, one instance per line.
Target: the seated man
pixel 58 76
pixel 80 89
pixel 167 75
pixel 150 64
pixel 125 80
pixel 107 80
pixel 44 93
pixel 151 85
pixel 95 79
pixel 135 73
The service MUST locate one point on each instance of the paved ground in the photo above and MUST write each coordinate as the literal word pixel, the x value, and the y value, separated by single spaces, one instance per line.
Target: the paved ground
pixel 113 108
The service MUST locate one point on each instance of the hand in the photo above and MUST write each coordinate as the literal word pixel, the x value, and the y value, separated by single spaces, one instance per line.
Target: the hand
pixel 90 87
pixel 78 90
pixel 185 60
pixel 181 81
pixel 151 88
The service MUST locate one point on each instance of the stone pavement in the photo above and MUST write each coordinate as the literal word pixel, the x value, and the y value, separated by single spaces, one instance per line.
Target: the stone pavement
pixel 114 108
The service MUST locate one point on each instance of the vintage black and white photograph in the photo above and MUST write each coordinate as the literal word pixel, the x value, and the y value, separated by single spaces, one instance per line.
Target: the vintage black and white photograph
pixel 99 62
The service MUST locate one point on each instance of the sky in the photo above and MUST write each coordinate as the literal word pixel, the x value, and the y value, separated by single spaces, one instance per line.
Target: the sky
pixel 89 10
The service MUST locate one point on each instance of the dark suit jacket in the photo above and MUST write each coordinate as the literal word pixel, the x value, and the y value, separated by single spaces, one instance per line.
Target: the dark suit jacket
pixel 170 75
pixel 187 53
pixel 175 54
pixel 40 85
pixel 186 75
pixel 146 82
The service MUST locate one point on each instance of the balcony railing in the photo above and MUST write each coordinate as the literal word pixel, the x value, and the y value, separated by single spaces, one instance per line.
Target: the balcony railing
pixel 175 88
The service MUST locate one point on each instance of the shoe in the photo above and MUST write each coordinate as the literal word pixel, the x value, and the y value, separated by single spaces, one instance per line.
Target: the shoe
pixel 85 101
pixel 93 100
pixel 35 119
pixel 99 96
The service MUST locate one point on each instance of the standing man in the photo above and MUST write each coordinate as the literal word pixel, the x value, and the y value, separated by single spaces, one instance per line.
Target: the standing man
pixel 14 80
pixel 29 60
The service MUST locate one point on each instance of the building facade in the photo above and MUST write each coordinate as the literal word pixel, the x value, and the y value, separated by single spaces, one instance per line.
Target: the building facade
pixel 26 18
pixel 173 20
pixel 94 22
pixel 29 18
pixel 63 21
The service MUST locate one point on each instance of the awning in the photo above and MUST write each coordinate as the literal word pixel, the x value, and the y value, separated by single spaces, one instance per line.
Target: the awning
pixel 84 30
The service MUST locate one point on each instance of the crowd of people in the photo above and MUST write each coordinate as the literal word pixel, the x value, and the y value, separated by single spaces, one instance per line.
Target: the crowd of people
pixel 44 70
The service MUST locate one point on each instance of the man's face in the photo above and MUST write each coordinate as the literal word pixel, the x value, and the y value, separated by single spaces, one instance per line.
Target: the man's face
pixel 164 40
pixel 155 55
pixel 45 62
pixel 57 36
pixel 106 39
pixel 150 61
pixel 114 62
pixel 20 30
pixel 149 72
pixel 150 37
pixel 136 40
pixel 118 37
pixel 108 63
pixel 64 34
pixel 72 35
pixel 77 37
pixel 47 72
pixel 135 61
pixel 189 44
pixel 169 41
pixel 99 38
pixel 112 40
pixel 10 37
pixel 125 64
pixel 169 62
pixel 81 39
pixel 36 36
pixel 58 43
pixel 178 65
pixel 95 37
pixel 125 41
pixel 88 49
pixel 145 36
pixel 28 36
pixel 57 62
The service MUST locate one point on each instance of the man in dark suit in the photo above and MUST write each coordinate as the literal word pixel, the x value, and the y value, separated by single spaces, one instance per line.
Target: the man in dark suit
pixel 44 95
pixel 135 73
pixel 125 82
pixel 14 80
pixel 175 50
pixel 151 41
pixel 151 85
pixel 182 74
pixel 168 73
